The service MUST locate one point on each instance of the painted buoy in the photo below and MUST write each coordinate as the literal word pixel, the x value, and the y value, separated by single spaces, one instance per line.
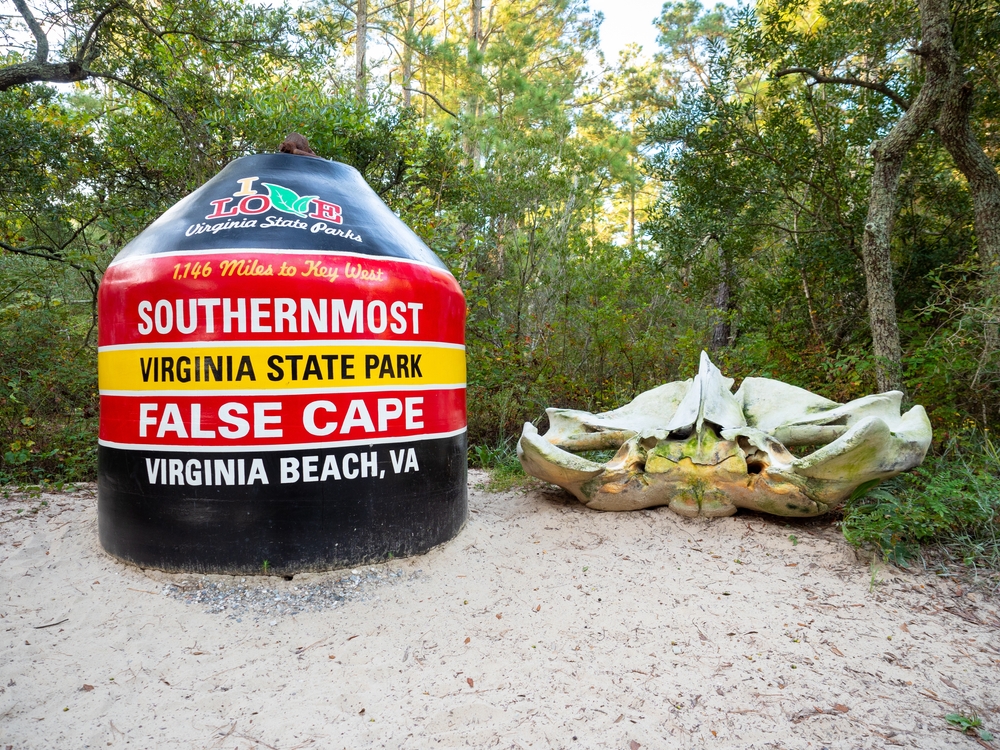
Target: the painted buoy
pixel 282 375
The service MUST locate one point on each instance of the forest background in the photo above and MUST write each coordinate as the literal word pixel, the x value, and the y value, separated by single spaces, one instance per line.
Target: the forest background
pixel 805 188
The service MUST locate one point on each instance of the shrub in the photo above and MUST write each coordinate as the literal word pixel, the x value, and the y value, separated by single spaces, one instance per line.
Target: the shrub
pixel 950 504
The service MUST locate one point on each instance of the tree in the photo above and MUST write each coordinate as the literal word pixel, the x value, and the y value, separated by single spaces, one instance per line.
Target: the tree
pixel 113 40
pixel 944 102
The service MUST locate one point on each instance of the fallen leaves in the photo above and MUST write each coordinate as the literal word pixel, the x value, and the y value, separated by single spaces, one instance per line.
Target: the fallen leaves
pixel 836 708
pixel 836 650
pixel 86 688
pixel 928 693
pixel 470 681
pixel 51 624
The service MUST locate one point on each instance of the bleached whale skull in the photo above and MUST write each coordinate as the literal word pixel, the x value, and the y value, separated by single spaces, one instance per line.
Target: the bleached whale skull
pixel 704 451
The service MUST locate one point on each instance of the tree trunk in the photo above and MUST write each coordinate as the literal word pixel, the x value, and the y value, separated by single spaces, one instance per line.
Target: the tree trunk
pixel 360 47
pixel 474 62
pixel 408 53
pixel 888 155
pixel 631 212
pixel 956 134
pixel 476 27
pixel 722 330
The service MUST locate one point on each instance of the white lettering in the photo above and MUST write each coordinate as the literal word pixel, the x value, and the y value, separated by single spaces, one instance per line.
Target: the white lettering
pixel 330 468
pixel 416 307
pixel 146 326
pixel 210 303
pixel 145 420
pixel 388 408
pixel 153 469
pixel 413 414
pixel 350 473
pixel 163 316
pixel 289 470
pixel 284 312
pixel 257 315
pixel 196 431
pixel 192 323
pixel 229 315
pixel 352 322
pixel 256 471
pixel 309 418
pixel 171 422
pixel 379 307
pixel 239 427
pixel 281 315
pixel 192 472
pixel 261 420
pixel 357 416
pixel 309 468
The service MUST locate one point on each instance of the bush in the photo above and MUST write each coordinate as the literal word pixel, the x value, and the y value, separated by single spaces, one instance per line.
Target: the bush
pixel 48 393
pixel 950 504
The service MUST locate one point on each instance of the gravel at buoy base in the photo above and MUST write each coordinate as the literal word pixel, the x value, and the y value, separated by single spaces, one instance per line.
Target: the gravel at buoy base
pixel 238 597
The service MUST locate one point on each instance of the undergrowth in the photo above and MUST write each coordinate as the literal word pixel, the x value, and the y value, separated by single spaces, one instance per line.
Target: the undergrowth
pixel 502 464
pixel 944 514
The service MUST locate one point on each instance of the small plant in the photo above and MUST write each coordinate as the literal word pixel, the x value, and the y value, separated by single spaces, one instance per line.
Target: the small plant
pixel 501 462
pixel 873 580
pixel 265 566
pixel 793 539
pixel 971 725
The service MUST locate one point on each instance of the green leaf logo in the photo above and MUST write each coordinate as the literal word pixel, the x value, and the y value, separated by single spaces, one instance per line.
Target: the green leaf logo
pixel 287 200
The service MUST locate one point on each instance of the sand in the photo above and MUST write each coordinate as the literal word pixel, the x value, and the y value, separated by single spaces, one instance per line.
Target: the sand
pixel 543 624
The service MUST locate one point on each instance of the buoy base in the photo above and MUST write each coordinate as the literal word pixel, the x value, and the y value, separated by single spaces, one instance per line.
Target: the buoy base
pixel 319 509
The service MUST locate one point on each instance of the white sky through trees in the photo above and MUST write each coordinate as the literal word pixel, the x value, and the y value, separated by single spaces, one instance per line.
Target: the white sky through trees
pixel 625 22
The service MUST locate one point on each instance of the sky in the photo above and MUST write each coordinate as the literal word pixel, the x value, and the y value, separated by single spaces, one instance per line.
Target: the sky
pixel 627 21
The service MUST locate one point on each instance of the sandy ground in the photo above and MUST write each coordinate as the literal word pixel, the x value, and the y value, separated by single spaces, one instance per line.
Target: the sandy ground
pixel 543 624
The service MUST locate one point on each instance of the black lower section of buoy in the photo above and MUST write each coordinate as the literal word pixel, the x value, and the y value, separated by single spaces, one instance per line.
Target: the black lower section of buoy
pixel 208 512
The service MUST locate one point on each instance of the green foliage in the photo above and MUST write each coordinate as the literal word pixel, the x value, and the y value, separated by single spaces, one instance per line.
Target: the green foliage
pixel 970 725
pixel 48 387
pixel 952 502
pixel 765 187
pixel 502 463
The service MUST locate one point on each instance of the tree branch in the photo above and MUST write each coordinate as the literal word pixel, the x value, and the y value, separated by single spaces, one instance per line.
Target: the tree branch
pixel 50 253
pixel 41 41
pixel 818 77
pixel 82 55
pixel 136 87
pixel 45 72
pixel 433 99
